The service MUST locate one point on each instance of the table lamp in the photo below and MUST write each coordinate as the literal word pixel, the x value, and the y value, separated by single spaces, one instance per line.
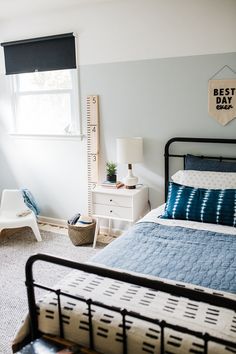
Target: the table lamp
pixel 129 151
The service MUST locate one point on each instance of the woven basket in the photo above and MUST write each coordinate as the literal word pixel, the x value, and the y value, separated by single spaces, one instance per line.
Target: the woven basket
pixel 81 235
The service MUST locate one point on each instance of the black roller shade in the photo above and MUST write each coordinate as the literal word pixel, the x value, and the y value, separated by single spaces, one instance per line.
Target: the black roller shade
pixel 40 54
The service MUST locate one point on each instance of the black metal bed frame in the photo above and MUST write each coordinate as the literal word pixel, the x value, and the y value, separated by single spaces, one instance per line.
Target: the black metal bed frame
pixel 175 290
pixel 193 140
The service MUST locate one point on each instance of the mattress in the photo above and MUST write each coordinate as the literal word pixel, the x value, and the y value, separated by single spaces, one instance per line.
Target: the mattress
pixel 144 337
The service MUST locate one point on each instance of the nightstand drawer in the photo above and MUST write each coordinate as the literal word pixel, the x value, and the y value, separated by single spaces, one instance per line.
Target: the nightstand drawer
pixel 111 199
pixel 112 211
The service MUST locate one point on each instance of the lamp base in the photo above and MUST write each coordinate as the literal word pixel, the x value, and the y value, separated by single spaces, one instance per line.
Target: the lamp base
pixel 130 181
pixel 130 187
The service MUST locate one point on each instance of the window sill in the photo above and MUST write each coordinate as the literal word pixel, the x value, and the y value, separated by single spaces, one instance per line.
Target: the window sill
pixel 48 136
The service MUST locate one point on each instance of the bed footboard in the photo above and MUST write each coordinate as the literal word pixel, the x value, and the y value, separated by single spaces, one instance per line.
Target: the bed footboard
pixel 156 285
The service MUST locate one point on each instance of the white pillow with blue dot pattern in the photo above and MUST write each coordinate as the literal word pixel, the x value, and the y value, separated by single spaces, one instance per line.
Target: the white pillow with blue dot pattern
pixel 205 179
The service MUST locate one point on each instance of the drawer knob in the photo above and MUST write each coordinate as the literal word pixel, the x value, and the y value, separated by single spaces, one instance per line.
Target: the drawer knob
pixel 110 211
pixel 110 200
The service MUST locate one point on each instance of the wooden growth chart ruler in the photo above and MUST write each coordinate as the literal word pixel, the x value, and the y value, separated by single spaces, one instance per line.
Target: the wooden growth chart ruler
pixel 92 145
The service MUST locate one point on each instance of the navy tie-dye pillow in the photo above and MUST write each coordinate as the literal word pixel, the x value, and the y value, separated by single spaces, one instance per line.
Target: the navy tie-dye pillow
pixel 217 206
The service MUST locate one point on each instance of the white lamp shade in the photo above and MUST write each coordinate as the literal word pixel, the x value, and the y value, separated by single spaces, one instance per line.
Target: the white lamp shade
pixel 129 150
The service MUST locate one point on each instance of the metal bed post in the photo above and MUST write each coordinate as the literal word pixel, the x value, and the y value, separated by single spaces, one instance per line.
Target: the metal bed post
pixel 162 338
pixel 206 340
pixel 58 293
pixel 90 316
pixel 31 299
pixel 123 314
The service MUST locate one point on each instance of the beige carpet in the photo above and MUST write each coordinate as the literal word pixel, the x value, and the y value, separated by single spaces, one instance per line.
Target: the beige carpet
pixel 15 249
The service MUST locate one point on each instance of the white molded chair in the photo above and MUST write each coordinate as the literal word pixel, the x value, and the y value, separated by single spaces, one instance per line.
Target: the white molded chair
pixel 12 203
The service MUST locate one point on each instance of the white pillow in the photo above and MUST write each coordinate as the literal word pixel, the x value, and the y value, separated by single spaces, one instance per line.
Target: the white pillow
pixel 205 179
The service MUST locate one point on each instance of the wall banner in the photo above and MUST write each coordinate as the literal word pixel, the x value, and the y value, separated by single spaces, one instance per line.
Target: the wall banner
pixel 222 100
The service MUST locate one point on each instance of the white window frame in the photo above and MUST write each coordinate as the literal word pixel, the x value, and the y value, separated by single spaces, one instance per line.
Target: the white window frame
pixel 75 122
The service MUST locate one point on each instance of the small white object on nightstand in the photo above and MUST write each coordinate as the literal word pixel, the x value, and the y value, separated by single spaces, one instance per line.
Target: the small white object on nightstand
pixel 118 204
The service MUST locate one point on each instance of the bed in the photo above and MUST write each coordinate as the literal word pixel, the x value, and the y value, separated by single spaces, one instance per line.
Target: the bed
pixel 167 285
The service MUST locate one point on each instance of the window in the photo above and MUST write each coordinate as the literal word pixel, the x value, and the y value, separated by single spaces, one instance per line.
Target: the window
pixel 46 103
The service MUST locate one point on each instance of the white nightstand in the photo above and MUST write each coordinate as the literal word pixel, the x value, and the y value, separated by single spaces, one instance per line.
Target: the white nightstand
pixel 118 204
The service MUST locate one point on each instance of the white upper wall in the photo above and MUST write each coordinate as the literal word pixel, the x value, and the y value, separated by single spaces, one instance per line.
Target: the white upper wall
pixel 124 30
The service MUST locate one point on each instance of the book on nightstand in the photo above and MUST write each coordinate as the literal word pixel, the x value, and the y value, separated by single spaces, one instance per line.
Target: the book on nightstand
pixel 114 185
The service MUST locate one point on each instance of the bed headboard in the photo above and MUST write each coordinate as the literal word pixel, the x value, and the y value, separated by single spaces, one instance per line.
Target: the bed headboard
pixel 168 155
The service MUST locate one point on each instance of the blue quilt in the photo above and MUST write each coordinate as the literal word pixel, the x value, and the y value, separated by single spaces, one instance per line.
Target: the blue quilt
pixel 199 257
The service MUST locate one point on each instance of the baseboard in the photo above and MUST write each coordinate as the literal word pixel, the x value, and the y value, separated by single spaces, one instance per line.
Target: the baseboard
pixel 52 221
pixel 113 232
pixel 60 222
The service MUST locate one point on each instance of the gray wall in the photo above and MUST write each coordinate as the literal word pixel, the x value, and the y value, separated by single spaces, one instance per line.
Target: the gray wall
pixel 156 99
